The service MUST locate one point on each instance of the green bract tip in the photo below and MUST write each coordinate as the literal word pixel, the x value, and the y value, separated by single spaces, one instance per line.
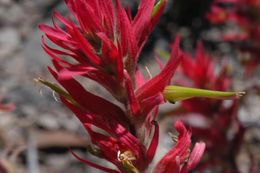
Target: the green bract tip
pixel 157 7
pixel 57 89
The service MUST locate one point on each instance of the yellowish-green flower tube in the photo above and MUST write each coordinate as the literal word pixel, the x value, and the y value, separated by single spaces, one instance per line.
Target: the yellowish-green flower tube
pixel 177 93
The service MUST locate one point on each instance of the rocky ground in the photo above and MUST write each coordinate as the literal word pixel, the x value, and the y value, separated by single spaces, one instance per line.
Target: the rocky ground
pixel 35 136
pixel 39 127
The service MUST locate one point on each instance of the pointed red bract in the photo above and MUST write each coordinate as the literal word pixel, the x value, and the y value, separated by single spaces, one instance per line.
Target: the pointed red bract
pixel 179 159
pixel 159 82
pixel 154 143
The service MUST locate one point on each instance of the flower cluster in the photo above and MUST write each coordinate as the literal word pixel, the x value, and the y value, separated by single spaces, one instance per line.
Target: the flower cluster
pixel 245 15
pixel 104 45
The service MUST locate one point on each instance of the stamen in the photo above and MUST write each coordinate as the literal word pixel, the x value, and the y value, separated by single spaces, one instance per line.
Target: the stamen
pixel 187 156
pixel 174 137
pixel 126 159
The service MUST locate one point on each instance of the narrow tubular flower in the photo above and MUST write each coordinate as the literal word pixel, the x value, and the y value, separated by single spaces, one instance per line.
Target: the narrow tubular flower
pixel 177 93
pixel 104 45
pixel 201 72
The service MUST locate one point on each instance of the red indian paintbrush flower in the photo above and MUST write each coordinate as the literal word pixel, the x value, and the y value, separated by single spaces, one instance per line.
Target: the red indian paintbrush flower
pixel 104 45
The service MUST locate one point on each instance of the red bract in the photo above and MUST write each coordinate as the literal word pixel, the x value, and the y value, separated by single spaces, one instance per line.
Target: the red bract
pixel 221 118
pixel 104 45
pixel 179 159
pixel 245 15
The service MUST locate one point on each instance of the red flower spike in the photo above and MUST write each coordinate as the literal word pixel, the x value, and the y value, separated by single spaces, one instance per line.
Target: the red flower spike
pixel 104 46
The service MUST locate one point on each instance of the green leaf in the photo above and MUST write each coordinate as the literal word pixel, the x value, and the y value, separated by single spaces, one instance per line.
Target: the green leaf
pixel 57 89
pixel 178 93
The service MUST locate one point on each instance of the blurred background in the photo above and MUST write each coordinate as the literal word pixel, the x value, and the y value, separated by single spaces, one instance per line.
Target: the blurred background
pixel 36 129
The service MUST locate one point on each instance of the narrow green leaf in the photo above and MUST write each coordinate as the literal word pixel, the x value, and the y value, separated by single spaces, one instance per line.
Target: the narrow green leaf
pixel 178 93
pixel 57 89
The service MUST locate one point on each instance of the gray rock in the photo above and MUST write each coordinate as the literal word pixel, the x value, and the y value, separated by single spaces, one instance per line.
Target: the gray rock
pixel 6 2
pixel 48 121
pixel 9 41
